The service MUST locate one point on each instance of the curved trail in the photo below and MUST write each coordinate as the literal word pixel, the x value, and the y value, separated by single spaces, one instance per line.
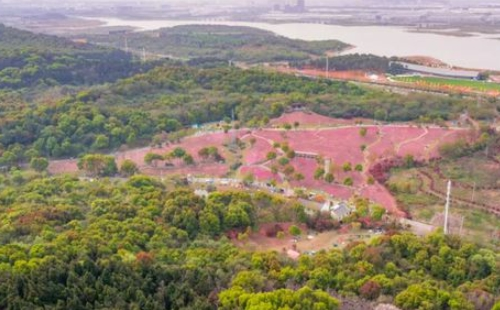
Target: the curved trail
pixel 403 143
pixel 431 147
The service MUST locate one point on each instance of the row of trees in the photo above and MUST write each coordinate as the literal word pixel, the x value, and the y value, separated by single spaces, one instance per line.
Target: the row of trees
pixel 364 62
pixel 177 153
pixel 99 165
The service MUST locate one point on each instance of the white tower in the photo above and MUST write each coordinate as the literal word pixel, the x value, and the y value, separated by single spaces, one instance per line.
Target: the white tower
pixel 447 209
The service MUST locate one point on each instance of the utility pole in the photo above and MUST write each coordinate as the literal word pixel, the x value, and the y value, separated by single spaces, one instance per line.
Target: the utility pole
pixel 447 209
pixel 144 54
pixel 327 67
pixel 126 44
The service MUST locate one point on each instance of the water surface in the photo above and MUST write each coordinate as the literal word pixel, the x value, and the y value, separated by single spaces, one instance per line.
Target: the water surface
pixel 479 51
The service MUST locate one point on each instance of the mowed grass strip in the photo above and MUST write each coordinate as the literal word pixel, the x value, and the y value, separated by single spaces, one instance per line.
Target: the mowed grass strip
pixel 436 81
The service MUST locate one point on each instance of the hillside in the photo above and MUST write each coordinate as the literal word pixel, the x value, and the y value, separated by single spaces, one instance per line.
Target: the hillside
pixel 29 60
pixel 134 111
pixel 201 185
pixel 72 244
pixel 243 44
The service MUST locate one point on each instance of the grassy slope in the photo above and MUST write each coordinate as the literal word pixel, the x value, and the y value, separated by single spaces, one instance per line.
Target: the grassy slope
pixel 423 207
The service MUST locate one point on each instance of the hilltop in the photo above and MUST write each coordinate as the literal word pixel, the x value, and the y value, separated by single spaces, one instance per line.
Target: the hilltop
pixel 29 60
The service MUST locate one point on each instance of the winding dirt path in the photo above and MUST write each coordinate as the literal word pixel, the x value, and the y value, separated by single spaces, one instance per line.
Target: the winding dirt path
pixel 403 143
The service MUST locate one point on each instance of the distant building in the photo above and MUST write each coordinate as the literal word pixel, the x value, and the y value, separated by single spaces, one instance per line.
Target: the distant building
pixel 119 32
pixel 338 210
pixel 442 72
pixel 298 8
pixel 309 155
pixel 296 107
pixel 301 5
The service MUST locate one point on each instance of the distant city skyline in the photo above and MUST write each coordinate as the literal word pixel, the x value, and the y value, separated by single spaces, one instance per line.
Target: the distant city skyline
pixel 246 2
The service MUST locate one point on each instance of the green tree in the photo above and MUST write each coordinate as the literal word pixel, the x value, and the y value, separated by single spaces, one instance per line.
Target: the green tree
pixel 363 131
pixel 128 168
pixel 294 231
pixel 271 156
pixel 178 152
pixel 283 161
pixel 188 160
pixel 304 298
pixel 101 142
pixel 98 165
pixel 248 179
pixel 409 161
pixel 204 153
pixel 377 212
pixel 152 158
pixel 347 167
pixel 210 223
pixel 39 164
pixel 329 177
pixel 298 176
pixel 319 173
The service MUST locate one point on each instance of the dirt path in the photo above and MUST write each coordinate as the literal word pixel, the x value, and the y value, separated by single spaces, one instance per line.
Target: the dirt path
pixel 367 162
pixel 433 146
pixel 402 143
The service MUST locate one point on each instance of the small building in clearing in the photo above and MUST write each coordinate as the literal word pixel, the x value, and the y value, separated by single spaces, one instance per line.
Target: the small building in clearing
pixel 337 210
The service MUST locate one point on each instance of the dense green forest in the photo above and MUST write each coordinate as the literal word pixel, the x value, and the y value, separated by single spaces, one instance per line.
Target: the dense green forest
pixel 166 99
pixel 137 244
pixel 365 62
pixel 29 60
pixel 220 42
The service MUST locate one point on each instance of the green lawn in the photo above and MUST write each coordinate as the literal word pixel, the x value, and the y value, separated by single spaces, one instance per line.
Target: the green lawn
pixel 436 81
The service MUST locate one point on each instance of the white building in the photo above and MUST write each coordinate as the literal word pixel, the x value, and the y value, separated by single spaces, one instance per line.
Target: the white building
pixel 338 210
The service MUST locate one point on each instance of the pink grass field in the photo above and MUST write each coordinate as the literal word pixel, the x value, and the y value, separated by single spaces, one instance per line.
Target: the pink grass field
pixel 340 144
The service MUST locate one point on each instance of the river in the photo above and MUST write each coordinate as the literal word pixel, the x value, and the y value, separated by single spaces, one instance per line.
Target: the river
pixel 479 51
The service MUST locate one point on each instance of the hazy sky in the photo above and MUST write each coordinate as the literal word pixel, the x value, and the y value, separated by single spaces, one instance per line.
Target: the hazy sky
pixel 325 2
pixel 257 2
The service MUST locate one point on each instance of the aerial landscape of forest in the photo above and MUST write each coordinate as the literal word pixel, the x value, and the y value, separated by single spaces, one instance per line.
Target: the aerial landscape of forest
pixel 204 159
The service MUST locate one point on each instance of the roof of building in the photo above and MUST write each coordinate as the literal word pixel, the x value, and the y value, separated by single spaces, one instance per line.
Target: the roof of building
pixel 342 210
pixel 439 71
